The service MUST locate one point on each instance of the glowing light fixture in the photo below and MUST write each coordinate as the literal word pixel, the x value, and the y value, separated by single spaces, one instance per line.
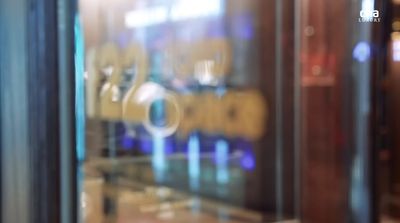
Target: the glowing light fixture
pixel 222 155
pixel 396 50
pixel 179 11
pixel 146 17
pixel 362 51
pixel 159 159
pixel 194 161
pixel 195 9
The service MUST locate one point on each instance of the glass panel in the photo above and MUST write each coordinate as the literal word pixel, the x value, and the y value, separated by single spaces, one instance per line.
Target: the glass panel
pixel 188 112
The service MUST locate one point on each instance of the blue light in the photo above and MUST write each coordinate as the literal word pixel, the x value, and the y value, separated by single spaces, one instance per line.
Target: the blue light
pixel 222 153
pixel 79 89
pixel 158 158
pixel 362 51
pixel 248 161
pixel 194 161
pixel 146 146
pixel 127 142
pixel 169 146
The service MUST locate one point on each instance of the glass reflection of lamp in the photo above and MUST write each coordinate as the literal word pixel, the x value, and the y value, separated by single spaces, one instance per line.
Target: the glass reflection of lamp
pixel 396 50
pixel 396 41
pixel 362 51
pixel 213 61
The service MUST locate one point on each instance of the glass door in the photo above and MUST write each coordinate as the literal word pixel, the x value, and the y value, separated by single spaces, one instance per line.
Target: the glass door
pixel 188 112
pixel 226 110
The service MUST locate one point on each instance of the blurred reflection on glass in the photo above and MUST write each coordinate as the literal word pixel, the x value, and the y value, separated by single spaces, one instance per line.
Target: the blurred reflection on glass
pixel 180 108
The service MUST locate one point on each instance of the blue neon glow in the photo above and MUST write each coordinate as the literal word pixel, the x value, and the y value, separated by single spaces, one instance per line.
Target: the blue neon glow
pixel 222 155
pixel 127 142
pixel 248 161
pixel 194 161
pixel 158 158
pixel 169 146
pixel 146 146
pixel 79 89
pixel 79 102
pixel 362 51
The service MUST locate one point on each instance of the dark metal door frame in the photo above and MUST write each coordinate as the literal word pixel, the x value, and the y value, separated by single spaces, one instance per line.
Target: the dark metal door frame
pixel 37 111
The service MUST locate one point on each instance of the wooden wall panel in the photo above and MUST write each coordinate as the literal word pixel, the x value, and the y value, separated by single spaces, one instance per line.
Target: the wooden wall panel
pixel 324 182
